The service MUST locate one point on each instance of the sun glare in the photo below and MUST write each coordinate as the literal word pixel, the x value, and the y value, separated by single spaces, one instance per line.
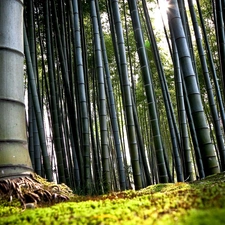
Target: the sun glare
pixel 159 14
pixel 163 5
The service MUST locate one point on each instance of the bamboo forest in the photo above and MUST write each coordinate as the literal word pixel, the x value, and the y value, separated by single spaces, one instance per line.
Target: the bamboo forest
pixel 109 96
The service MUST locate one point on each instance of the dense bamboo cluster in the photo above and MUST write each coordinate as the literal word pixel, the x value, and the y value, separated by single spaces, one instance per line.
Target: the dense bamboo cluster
pixel 109 105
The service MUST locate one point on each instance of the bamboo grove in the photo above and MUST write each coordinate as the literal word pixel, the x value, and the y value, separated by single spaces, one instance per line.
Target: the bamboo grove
pixel 112 103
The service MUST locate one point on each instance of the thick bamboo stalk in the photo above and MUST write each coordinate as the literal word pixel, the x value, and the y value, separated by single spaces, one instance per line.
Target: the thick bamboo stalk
pixel 203 134
pixel 14 155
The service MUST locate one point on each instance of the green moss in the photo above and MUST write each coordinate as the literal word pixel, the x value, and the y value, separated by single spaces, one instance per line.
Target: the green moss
pixel 200 202
pixel 204 217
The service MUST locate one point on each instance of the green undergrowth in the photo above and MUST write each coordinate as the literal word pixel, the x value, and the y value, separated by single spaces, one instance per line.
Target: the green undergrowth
pixel 199 202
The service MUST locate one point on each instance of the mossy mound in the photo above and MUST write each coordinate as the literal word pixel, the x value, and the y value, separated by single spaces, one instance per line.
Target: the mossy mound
pixel 200 202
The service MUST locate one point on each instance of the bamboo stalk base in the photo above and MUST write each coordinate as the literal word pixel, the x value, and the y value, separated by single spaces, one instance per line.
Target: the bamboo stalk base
pixel 33 190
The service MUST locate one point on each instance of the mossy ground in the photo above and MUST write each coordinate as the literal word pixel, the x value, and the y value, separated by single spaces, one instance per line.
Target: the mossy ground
pixel 199 202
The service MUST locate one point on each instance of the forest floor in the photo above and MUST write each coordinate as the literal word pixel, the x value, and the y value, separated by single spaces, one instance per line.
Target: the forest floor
pixel 200 203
